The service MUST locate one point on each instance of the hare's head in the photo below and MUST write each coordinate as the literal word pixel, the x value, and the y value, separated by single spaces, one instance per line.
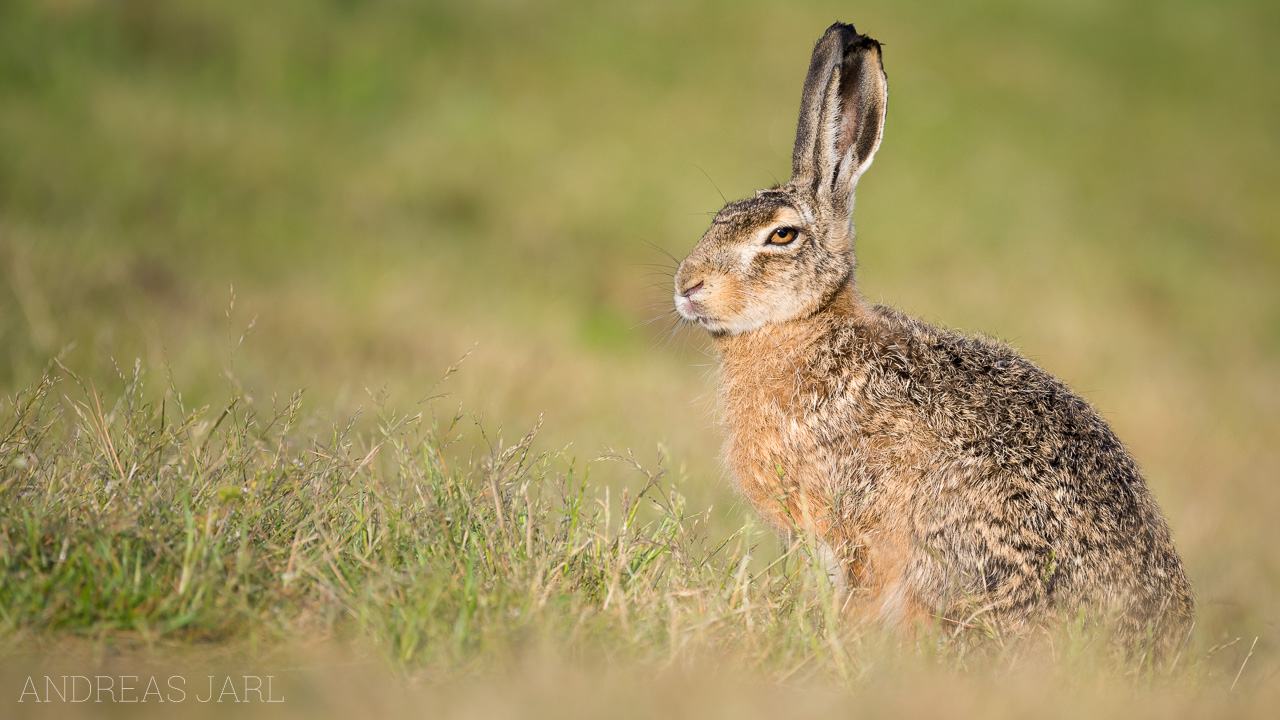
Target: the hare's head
pixel 787 251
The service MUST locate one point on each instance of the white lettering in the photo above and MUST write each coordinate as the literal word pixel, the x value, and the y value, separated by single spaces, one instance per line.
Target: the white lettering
pixel 29 684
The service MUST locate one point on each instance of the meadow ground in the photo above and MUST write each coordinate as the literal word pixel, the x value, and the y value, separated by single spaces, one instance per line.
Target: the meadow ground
pixel 207 206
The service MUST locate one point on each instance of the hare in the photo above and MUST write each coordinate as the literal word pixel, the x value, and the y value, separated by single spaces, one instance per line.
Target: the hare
pixel 946 478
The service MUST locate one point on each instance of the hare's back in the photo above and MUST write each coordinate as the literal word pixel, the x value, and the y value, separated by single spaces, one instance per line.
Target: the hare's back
pixel 1030 493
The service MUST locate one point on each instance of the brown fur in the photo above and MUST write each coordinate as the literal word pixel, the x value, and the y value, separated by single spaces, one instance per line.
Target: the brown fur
pixel 948 476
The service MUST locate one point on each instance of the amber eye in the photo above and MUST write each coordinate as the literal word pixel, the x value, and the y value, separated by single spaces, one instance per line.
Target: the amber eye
pixel 783 235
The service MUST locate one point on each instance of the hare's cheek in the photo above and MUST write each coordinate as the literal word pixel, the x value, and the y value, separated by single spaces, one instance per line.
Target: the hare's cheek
pixel 776 277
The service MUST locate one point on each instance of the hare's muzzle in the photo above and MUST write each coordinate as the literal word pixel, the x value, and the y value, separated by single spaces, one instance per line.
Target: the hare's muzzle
pixel 685 303
pixel 691 290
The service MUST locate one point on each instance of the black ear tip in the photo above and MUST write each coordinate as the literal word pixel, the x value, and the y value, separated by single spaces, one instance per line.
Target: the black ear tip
pixel 842 27
pixel 851 39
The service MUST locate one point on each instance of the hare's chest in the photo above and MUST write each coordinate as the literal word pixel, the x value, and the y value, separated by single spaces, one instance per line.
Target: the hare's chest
pixel 775 459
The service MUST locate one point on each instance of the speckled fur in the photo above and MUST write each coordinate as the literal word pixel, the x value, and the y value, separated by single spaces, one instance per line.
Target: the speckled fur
pixel 948 476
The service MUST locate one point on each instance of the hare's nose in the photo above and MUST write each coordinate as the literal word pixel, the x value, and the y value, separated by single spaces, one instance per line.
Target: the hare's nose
pixel 691 290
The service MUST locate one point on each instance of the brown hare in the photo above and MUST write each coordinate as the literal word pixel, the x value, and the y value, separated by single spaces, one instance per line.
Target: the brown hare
pixel 945 477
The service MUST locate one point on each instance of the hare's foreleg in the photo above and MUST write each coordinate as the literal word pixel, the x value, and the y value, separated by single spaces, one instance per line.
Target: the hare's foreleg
pixel 830 564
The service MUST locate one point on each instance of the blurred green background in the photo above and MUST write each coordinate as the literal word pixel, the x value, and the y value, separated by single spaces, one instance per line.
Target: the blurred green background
pixel 388 185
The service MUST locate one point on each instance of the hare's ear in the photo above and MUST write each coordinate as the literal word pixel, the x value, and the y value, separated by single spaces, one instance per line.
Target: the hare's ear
pixel 841 115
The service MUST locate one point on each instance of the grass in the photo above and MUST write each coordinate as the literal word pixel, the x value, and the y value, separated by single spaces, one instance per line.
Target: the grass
pixel 158 522
pixel 251 198
pixel 154 531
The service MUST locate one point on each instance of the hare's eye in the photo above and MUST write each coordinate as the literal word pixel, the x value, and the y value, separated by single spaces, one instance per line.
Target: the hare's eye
pixel 783 235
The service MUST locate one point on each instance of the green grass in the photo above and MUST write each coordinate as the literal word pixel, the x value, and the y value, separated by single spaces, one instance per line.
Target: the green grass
pixel 154 531
pixel 158 522
pixel 252 198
